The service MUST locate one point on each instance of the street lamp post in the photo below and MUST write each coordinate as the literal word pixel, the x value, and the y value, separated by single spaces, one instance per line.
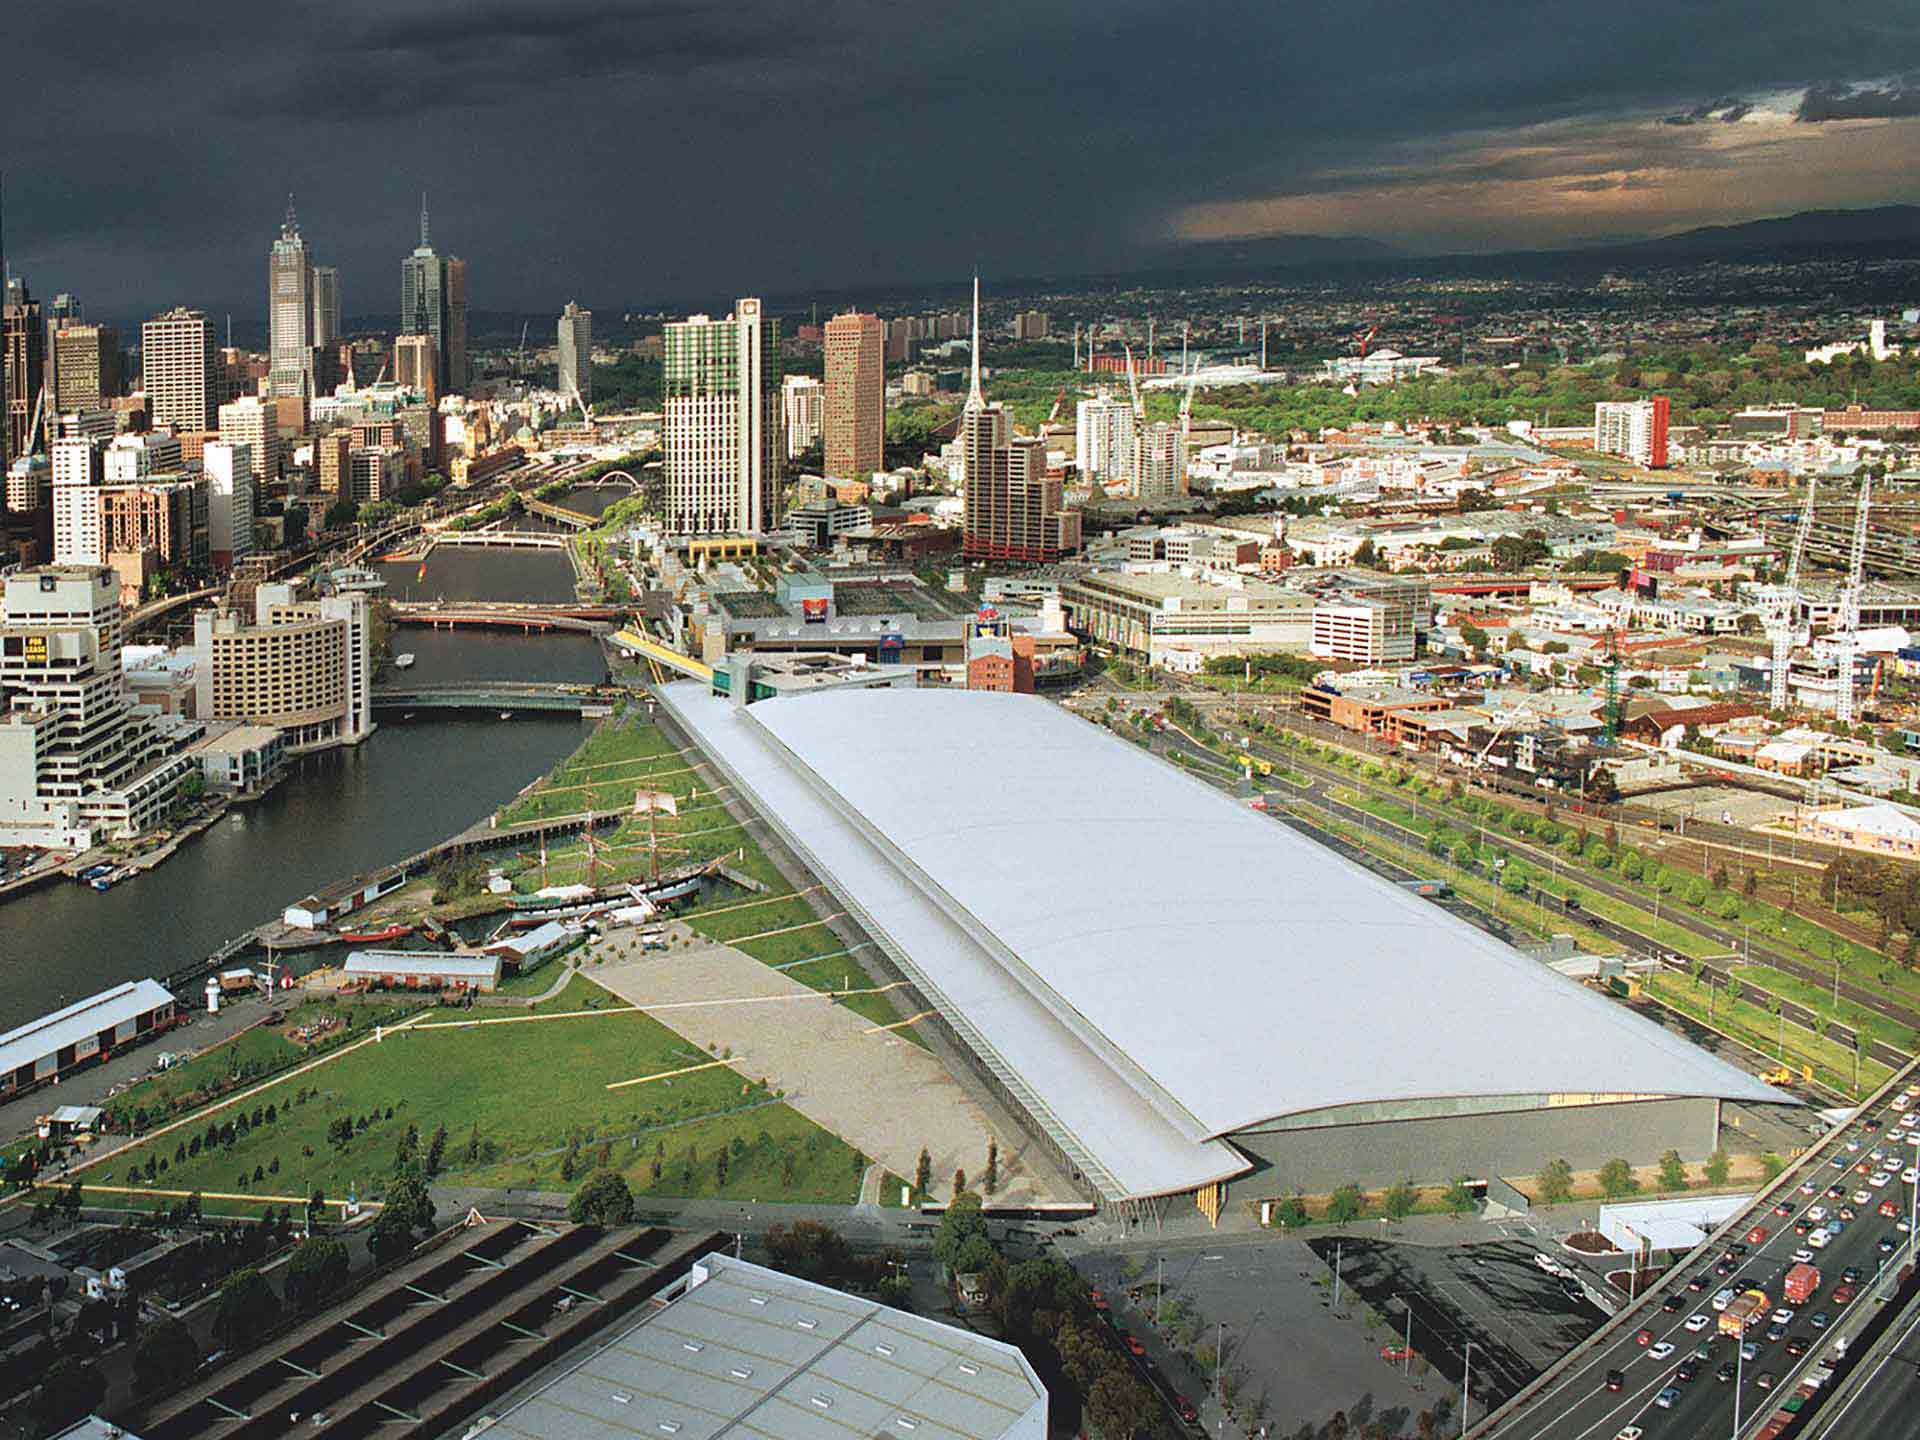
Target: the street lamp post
pixel 1466 1391
pixel 1739 1380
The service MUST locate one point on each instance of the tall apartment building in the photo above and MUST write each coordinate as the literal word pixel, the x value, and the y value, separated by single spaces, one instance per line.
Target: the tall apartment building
pixel 1636 429
pixel 575 352
pixel 326 306
pixel 77 762
pixel 135 457
pixel 1159 462
pixel 802 400
pixel 29 484
pixel 290 309
pixel 1031 325
pixel 1011 509
pixel 331 463
pixel 855 426
pixel 1103 437
pixel 723 451
pixel 252 422
pixel 163 517
pixel 178 370
pixel 79 469
pixel 230 487
pixel 23 358
pixel 305 666
pixel 86 367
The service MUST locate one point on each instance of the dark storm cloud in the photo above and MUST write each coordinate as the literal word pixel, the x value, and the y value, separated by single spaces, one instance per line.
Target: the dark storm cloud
pixel 1835 100
pixel 627 151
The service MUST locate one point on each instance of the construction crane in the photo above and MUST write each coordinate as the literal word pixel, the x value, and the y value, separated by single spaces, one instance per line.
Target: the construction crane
pixel 1133 385
pixel 1059 403
pixel 1847 644
pixel 1186 403
pixel 1610 716
pixel 1514 717
pixel 1781 601
pixel 520 358
pixel 1363 341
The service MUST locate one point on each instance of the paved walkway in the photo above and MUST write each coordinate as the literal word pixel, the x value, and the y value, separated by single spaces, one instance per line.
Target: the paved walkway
pixel 877 1090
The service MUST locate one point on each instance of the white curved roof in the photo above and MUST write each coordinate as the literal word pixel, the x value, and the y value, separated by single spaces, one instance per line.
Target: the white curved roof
pixel 1111 925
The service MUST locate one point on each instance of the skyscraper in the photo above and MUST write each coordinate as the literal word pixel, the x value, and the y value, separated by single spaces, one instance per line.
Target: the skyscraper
pixel 290 310
pixel 458 377
pixel 1011 508
pixel 802 395
pixel 177 369
pixel 723 449
pixel 423 292
pixel 23 355
pixel 251 424
pixel 855 422
pixel 326 306
pixel 576 353
pixel 230 475
pixel 1159 465
pixel 1103 438
pixel 433 302
pixel 414 365
pixel 86 367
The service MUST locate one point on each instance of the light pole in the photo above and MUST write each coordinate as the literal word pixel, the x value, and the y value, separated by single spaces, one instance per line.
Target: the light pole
pixel 1336 1276
pixel 1466 1391
pixel 1219 1369
pixel 1739 1380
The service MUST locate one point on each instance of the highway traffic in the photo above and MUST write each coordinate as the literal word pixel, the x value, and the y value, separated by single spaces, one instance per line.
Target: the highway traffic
pixel 1670 1372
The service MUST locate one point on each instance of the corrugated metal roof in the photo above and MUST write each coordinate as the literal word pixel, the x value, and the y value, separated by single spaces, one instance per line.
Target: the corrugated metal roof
pixel 422 962
pixel 751 1352
pixel 1222 968
pixel 80 1021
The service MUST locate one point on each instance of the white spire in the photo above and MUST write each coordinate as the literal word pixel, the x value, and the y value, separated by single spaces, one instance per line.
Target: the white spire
pixel 423 220
pixel 975 400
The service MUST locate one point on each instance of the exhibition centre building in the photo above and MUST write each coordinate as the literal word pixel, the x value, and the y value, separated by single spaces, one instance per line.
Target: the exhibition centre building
pixel 1176 991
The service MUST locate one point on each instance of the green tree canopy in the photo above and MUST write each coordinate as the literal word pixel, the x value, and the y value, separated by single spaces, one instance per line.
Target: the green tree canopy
pixel 604 1199
pixel 318 1268
pixel 245 1308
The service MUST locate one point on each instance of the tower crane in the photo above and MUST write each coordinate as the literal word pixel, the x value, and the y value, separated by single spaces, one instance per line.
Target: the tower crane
pixel 520 357
pixel 1059 403
pixel 1365 340
pixel 1133 385
pixel 1781 600
pixel 1186 403
pixel 1848 641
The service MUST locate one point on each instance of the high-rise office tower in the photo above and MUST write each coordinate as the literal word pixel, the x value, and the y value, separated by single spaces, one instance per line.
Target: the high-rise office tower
pixel 230 476
pixel 290 312
pixel 576 353
pixel 79 469
pixel 326 306
pixel 802 396
pixel 415 364
pixel 253 423
pixel 423 292
pixel 1159 463
pixel 1011 509
pixel 723 451
pixel 23 355
pixel 855 423
pixel 86 367
pixel 177 369
pixel 457 376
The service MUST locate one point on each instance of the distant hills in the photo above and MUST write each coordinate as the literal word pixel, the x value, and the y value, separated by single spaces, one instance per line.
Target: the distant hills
pixel 1806 229
pixel 1266 252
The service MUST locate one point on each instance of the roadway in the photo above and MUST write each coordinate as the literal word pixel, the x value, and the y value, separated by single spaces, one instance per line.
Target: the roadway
pixel 1883 1397
pixel 1577 1405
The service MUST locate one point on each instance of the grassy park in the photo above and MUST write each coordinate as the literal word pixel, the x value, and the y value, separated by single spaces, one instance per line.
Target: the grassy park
pixel 524 1104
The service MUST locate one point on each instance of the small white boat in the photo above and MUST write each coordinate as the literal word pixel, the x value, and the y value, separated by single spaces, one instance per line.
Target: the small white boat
pixel 403 661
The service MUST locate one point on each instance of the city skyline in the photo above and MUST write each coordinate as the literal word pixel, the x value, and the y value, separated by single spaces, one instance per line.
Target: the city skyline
pixel 1534 128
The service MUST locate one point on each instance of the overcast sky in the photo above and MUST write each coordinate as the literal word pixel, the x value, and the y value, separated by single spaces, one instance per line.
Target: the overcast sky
pixel 627 151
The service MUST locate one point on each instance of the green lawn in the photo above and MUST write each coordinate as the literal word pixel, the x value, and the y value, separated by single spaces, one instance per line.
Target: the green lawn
pixel 522 1094
pixel 1848 1012
pixel 1832 1062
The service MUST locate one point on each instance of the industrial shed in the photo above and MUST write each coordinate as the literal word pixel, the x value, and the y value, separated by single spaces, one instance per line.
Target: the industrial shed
pixel 84 1032
pixel 1177 991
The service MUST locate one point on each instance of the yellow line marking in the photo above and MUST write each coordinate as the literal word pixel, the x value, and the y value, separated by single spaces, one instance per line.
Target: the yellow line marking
pixel 897 1025
pixel 670 1074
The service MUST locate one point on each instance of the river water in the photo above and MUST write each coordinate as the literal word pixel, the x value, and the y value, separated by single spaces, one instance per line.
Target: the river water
pixel 412 783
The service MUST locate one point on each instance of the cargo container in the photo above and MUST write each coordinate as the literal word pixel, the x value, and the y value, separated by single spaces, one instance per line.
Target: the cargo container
pixel 1801 1283
pixel 1744 1313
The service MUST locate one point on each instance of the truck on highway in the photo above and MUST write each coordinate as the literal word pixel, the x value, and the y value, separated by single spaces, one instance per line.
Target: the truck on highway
pixel 1746 1311
pixel 1801 1283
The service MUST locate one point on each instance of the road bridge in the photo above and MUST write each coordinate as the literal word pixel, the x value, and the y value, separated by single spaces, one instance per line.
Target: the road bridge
pixel 577 519
pixel 501 696
pixel 498 539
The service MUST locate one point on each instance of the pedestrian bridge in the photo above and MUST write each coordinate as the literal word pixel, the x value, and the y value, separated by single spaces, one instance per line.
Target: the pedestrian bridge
pixel 457 614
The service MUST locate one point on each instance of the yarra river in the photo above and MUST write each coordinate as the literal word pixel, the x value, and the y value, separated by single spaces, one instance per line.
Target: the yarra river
pixel 411 784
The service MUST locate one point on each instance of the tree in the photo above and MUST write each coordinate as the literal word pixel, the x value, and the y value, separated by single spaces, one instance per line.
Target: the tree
pixel 990 1177
pixel 602 1199
pixel 390 1236
pixel 809 1249
pixel 923 1173
pixel 1120 1405
pixel 1346 1204
pixel 409 1198
pixel 961 1242
pixel 1459 1196
pixel 437 1151
pixel 1772 1165
pixel 70 1388
pixel 1291 1212
pixel 895 1290
pixel 1616 1178
pixel 245 1309
pixel 1555 1181
pixel 959 1183
pixel 1399 1199
pixel 318 1268
pixel 165 1352
pixel 1673 1173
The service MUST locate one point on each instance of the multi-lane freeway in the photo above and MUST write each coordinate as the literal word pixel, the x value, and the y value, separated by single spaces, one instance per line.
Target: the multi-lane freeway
pixel 1671 1346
